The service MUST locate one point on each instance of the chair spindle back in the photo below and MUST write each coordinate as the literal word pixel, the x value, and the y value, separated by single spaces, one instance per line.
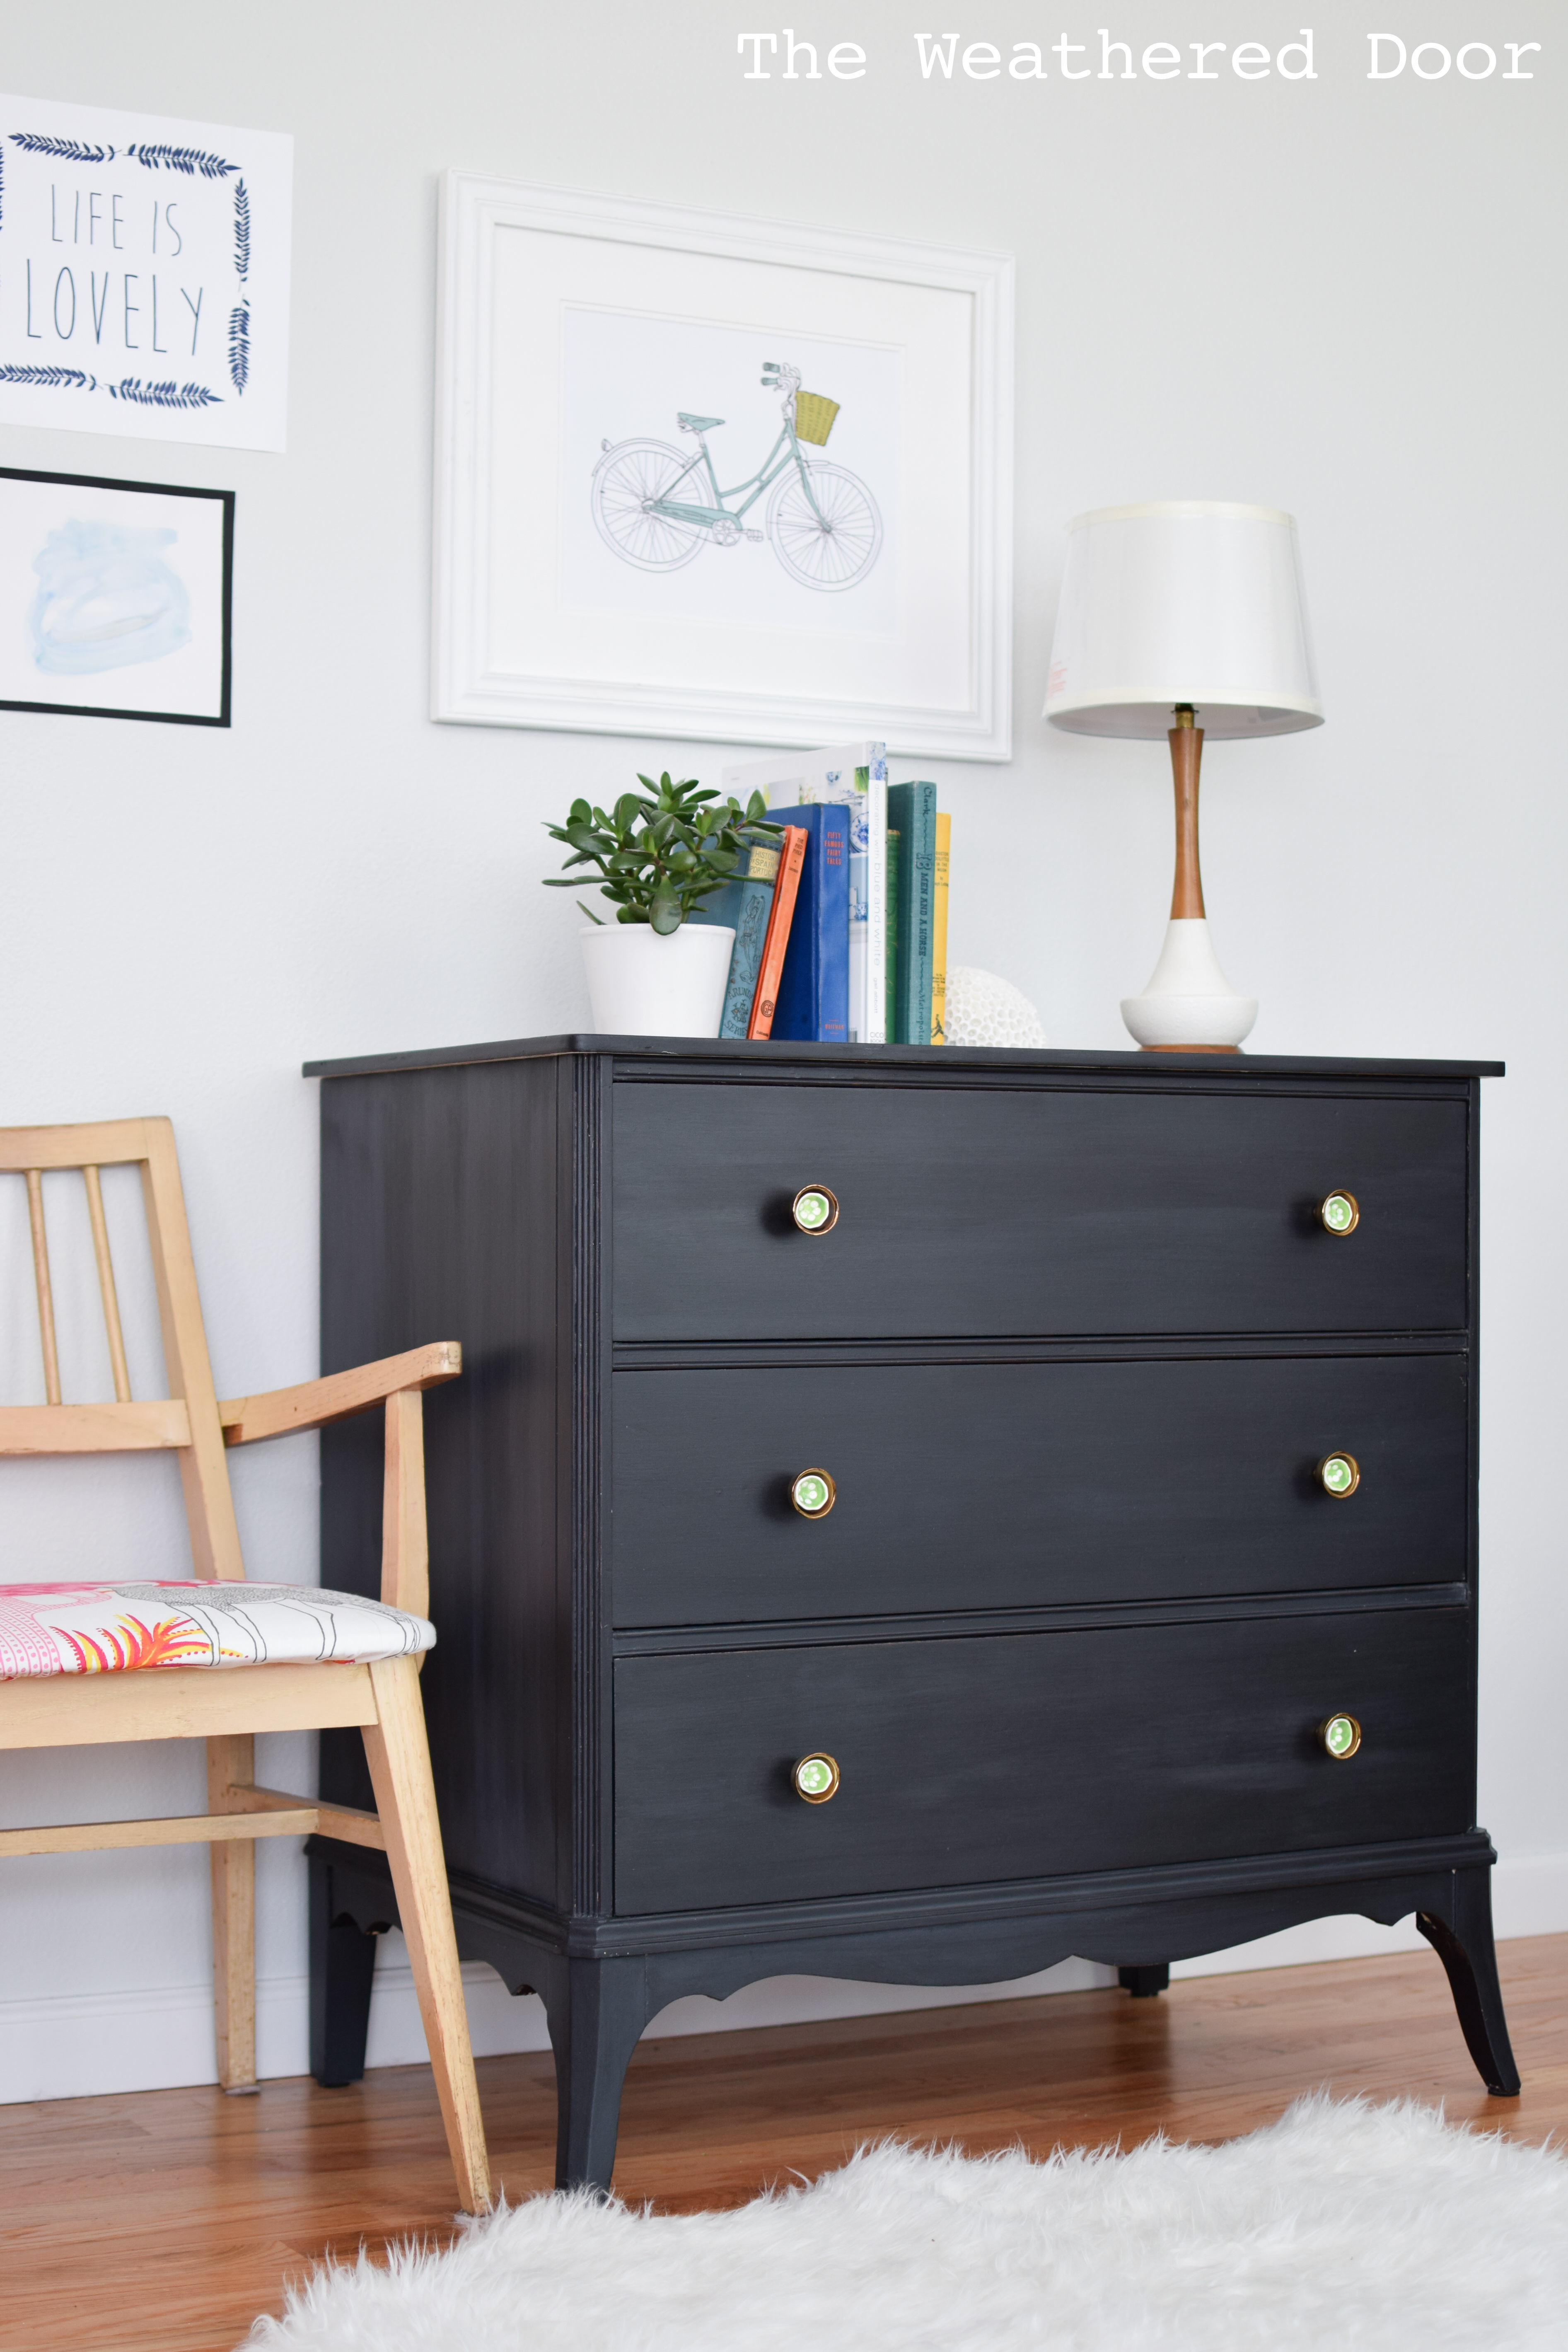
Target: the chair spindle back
pixel 188 1419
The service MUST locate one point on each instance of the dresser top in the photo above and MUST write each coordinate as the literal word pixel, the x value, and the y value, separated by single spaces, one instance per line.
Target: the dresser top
pixel 1234 1068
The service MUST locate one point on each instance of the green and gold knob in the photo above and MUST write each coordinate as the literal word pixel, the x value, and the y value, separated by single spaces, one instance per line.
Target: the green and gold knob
pixel 816 1778
pixel 1339 1213
pixel 815 1209
pixel 813 1493
pixel 1339 1475
pixel 1339 1737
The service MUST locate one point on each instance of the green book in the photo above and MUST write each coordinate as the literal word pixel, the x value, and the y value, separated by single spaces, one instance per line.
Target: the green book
pixel 912 809
pixel 891 931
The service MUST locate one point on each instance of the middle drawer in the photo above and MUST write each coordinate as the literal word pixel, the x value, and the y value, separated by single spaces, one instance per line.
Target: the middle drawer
pixel 1008 1485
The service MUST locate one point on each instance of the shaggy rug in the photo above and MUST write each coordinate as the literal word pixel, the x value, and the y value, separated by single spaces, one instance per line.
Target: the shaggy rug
pixel 1359 2227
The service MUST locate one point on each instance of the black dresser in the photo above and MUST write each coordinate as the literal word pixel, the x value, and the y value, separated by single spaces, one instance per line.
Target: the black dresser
pixel 914 1513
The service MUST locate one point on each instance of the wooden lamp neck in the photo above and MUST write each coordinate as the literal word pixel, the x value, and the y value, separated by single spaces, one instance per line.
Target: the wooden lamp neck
pixel 1186 756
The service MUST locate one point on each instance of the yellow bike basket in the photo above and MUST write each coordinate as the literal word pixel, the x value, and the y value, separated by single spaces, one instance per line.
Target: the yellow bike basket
pixel 814 416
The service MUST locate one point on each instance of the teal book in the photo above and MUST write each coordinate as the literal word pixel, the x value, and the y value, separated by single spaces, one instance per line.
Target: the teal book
pixel 745 903
pixel 912 808
pixel 891 932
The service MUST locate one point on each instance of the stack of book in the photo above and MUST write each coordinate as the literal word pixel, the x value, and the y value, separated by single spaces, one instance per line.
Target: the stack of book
pixel 841 927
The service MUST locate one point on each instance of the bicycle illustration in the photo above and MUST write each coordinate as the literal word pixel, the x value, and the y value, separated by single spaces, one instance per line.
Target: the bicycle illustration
pixel 657 508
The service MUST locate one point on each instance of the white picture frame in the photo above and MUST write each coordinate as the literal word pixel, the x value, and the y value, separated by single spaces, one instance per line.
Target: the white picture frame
pixel 573 328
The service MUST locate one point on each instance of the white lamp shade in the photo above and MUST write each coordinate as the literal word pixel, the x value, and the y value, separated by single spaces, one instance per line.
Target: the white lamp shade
pixel 1186 602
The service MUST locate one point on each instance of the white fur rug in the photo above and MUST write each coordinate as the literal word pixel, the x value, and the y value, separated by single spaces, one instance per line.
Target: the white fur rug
pixel 1354 2227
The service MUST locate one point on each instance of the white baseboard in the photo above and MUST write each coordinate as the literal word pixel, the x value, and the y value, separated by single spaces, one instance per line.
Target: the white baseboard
pixel 159 2037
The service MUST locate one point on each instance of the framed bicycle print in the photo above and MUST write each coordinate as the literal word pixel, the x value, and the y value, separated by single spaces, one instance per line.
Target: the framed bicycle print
pixel 724 479
pixel 116 598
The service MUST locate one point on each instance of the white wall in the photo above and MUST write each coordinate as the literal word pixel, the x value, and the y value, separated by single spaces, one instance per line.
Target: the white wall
pixel 1329 295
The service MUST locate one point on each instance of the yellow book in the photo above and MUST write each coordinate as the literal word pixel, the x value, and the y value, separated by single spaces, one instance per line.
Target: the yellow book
pixel 939 934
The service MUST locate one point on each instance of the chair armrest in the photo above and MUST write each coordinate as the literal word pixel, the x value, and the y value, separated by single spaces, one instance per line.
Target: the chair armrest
pixel 313 1403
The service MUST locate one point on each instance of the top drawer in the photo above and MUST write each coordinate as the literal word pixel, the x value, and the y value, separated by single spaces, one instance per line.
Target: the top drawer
pixel 1029 1213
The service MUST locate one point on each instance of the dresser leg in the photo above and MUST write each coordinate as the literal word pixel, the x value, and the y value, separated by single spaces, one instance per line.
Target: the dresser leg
pixel 342 1962
pixel 1143 1983
pixel 1468 1954
pixel 596 2009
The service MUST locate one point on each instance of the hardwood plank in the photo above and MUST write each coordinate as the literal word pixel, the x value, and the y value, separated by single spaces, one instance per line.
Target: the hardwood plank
pixel 94 1428
pixel 183 1829
pixel 164 2222
pixel 286 1817
pixel 405 1536
pixel 182 1703
pixel 350 1822
pixel 231 1768
pixel 312 1404
pixel 399 1761
pixel 204 1472
pixel 100 1143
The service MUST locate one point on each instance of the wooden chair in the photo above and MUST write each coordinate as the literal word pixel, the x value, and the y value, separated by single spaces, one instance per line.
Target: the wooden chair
pixel 227 1705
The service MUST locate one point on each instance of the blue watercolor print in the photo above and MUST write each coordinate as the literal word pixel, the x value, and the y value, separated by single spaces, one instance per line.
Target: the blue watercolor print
pixel 106 599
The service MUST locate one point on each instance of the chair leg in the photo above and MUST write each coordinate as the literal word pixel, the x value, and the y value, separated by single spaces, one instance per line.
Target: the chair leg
pixel 399 1759
pixel 231 1764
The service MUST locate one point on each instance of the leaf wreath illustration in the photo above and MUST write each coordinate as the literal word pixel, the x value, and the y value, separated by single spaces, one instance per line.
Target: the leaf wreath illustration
pixel 68 151
pixel 239 346
pixel 241 232
pixel 165 395
pixel 189 160
pixel 60 377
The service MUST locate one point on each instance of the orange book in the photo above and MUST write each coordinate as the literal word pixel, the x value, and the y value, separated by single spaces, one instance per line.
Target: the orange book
pixel 781 916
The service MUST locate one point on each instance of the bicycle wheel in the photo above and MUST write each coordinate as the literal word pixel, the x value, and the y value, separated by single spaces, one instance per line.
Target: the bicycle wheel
pixel 626 481
pixel 833 547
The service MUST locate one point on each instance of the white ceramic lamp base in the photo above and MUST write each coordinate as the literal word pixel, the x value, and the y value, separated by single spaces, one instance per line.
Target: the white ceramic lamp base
pixel 1188 1001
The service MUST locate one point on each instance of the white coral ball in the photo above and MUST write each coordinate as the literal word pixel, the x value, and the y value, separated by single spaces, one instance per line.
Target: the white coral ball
pixel 983 1009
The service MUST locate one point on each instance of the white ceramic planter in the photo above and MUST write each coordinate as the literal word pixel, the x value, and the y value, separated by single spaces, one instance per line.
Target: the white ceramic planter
pixel 641 985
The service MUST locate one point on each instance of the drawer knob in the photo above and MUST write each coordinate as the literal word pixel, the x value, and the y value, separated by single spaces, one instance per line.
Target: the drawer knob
pixel 1340 1737
pixel 1340 1212
pixel 1339 1475
pixel 813 1493
pixel 815 1209
pixel 816 1778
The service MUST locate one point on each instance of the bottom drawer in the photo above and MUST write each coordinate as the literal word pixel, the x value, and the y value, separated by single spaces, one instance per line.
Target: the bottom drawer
pixel 1026 1756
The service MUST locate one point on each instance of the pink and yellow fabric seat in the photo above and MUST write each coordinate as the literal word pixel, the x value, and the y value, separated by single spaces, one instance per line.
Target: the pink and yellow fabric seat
pixel 97 1629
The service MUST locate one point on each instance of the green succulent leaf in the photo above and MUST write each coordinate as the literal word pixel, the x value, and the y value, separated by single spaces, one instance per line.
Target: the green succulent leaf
pixel 663 850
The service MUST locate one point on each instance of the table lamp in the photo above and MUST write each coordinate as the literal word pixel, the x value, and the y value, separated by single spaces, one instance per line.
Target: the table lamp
pixel 1183 619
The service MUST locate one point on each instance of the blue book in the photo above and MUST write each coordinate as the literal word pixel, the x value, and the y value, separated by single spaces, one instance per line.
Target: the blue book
pixel 745 904
pixel 813 994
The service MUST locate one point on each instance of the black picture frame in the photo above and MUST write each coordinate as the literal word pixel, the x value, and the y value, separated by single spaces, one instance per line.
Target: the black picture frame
pixel 101 482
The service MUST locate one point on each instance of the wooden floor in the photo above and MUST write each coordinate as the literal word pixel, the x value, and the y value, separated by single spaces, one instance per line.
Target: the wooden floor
pixel 164 2222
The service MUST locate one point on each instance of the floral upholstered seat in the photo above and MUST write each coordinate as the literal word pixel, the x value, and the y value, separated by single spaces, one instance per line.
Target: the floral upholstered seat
pixel 94 1629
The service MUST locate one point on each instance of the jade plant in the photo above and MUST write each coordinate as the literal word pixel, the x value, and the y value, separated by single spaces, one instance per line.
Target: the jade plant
pixel 661 851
